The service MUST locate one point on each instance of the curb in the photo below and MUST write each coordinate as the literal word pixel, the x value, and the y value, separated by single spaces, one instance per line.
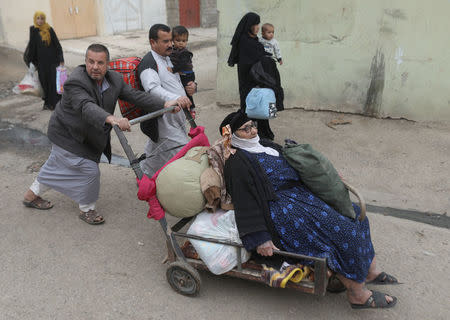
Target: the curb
pixel 193 46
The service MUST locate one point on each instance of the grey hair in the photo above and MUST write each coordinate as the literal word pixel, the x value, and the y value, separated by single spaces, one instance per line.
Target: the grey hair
pixel 96 47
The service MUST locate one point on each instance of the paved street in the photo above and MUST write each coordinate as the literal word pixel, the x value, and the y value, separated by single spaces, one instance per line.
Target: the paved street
pixel 54 266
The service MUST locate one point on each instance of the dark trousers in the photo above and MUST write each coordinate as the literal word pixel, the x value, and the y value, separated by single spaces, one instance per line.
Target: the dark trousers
pixel 185 79
pixel 47 78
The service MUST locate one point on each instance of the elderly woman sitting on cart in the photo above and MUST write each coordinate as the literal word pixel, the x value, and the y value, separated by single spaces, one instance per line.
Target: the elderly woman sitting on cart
pixel 275 210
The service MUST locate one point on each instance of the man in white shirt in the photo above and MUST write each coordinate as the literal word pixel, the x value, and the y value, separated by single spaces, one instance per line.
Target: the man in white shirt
pixel 168 132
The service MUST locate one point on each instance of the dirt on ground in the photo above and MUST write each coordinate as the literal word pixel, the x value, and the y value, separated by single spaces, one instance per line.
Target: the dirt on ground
pixel 55 266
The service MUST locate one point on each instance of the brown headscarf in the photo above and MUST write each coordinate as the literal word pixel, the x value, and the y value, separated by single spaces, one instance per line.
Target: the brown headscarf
pixel 44 30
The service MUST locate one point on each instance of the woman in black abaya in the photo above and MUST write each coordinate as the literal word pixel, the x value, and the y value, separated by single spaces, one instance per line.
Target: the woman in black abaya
pixel 45 52
pixel 246 50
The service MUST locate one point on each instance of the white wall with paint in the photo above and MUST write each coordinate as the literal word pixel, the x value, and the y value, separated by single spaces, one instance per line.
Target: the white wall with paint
pixel 16 17
pixel 128 15
pixel 384 58
pixel 153 11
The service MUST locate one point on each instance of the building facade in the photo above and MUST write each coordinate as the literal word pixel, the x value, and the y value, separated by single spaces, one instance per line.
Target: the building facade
pixel 82 18
pixel 378 58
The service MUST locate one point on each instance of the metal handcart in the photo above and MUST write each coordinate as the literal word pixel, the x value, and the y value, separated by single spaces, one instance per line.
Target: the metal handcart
pixel 183 262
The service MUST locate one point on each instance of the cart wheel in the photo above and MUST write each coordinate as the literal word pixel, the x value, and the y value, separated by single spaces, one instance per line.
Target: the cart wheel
pixel 183 278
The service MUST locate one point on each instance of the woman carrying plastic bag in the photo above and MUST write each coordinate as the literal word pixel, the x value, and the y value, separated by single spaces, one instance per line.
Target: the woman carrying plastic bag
pixel 45 52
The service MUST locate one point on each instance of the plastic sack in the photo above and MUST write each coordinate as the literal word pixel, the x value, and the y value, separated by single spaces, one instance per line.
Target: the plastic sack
pixel 219 258
pixel 61 77
pixel 178 184
pixel 30 83
pixel 261 104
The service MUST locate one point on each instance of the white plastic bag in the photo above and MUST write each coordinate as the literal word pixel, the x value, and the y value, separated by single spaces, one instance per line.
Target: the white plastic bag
pixel 61 77
pixel 221 225
pixel 30 83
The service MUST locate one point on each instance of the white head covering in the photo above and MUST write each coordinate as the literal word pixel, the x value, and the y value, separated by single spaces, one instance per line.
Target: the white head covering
pixel 252 145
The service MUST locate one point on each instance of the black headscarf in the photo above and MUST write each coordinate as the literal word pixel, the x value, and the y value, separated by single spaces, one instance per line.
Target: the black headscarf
pixel 235 120
pixel 243 28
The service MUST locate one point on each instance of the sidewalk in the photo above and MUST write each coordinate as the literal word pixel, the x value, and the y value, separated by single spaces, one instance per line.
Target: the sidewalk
pixel 129 44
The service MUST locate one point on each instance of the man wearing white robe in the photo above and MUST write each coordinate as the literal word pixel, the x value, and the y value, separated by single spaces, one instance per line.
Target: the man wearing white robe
pixel 171 128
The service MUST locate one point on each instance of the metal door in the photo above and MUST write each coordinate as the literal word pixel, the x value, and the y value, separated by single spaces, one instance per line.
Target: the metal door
pixel 123 15
pixel 189 13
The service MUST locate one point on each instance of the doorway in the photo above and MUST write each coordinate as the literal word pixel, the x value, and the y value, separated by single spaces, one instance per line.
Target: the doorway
pixel 74 18
pixel 189 13
pixel 123 15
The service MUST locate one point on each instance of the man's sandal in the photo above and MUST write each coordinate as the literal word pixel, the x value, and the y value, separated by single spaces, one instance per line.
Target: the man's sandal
pixel 376 300
pixel 384 278
pixel 91 217
pixel 38 203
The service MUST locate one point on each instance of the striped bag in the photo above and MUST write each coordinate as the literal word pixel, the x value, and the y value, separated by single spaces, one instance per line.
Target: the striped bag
pixel 128 68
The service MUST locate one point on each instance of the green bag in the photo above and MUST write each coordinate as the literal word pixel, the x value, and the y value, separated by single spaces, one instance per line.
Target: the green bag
pixel 319 175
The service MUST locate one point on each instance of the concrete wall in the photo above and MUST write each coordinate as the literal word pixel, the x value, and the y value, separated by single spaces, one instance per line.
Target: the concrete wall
pixel 153 11
pixel 173 13
pixel 208 13
pixel 16 17
pixel 382 58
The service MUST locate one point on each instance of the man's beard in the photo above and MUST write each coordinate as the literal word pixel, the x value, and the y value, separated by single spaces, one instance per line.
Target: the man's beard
pixel 96 77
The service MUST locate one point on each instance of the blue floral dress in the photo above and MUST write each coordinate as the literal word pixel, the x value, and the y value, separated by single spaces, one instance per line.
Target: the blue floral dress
pixel 307 225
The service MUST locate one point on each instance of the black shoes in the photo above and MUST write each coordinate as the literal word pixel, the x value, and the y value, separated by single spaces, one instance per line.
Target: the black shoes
pixel 48 107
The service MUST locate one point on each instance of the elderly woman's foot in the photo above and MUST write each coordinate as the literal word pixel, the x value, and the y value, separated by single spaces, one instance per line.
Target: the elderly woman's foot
pixel 360 297
pixel 375 299
pixel 376 277
pixel 381 278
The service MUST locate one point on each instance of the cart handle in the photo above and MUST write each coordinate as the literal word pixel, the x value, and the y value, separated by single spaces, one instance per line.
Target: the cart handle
pixel 158 113
pixel 362 202
pixel 152 115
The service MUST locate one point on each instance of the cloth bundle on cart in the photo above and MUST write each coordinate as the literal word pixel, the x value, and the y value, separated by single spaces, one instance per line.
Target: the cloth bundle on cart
pixel 178 185
pixel 147 185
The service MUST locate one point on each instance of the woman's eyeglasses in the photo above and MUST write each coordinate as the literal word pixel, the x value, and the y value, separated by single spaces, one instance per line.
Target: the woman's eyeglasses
pixel 248 128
